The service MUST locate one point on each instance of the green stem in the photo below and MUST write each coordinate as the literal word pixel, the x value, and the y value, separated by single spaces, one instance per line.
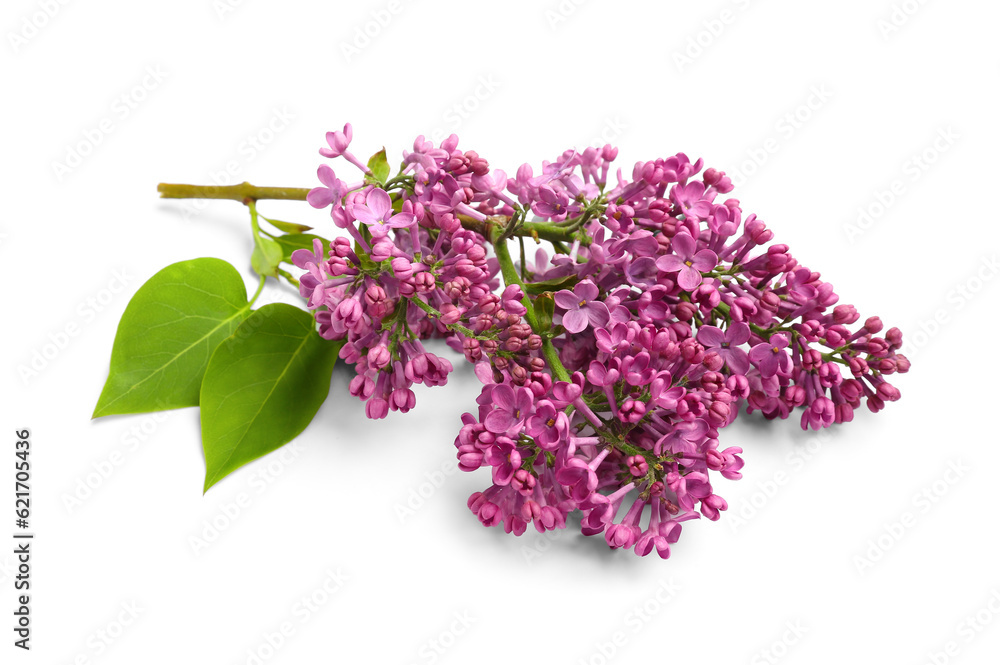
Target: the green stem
pixel 288 276
pixel 510 275
pixel 260 287
pixel 241 192
pixel 552 357
pixel 254 223
pixel 521 243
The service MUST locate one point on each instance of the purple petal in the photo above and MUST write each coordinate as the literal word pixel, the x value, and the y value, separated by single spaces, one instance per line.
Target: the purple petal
pixel 711 336
pixel 598 314
pixel 319 197
pixel 670 398
pixel 331 139
pixel 542 209
pixel 364 214
pixel 644 245
pixel 503 397
pixel 302 257
pixel 738 333
pixel 586 290
pixel 541 260
pixel 705 260
pixel 327 176
pixel 567 299
pixel 498 421
pixel 379 203
pixel 689 278
pixel 547 194
pixel 524 400
pixel 502 475
pixel 701 209
pixel 401 220
pixel 683 246
pixel 620 314
pixel 597 373
pixel 768 366
pixel 484 372
pixel 670 263
pixel 784 362
pixel 654 310
pixel 575 320
pixel 642 272
pixel 737 360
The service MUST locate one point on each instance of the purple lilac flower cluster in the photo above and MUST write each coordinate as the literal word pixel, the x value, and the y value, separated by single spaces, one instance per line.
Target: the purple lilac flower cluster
pixel 610 365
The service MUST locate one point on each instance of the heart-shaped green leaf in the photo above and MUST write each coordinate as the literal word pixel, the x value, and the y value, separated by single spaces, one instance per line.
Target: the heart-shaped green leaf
pixel 262 387
pixel 167 334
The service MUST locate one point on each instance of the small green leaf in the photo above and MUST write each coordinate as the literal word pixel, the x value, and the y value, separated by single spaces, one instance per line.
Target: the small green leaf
pixel 167 334
pixel 293 241
pixel 544 309
pixel 262 387
pixel 366 262
pixel 288 227
pixel 557 284
pixel 379 166
pixel 267 254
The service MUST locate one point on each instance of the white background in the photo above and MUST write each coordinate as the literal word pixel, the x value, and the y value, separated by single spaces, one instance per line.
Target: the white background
pixel 816 109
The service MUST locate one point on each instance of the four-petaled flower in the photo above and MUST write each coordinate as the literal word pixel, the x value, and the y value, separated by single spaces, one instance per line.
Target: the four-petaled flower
pixel 688 198
pixel 581 307
pixel 333 188
pixel 513 408
pixel 548 426
pixel 552 204
pixel 377 214
pixel 688 263
pixel 727 344
pixel 770 356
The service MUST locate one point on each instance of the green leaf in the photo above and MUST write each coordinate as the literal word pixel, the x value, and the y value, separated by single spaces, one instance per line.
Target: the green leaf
pixel 366 261
pixel 557 284
pixel 266 257
pixel 262 387
pixel 544 309
pixel 379 166
pixel 288 227
pixel 293 241
pixel 168 333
